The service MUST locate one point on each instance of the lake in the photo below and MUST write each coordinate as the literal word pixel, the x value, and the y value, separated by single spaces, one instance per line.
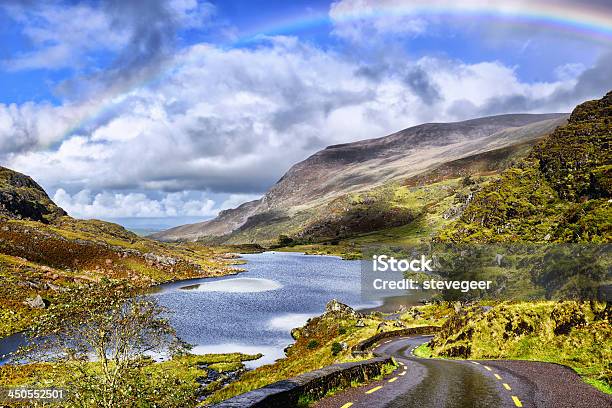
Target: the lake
pixel 253 312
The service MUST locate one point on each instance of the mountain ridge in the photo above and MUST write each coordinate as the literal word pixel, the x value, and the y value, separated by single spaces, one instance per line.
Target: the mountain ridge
pixel 358 166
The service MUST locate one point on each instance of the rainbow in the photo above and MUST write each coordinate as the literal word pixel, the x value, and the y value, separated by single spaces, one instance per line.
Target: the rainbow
pixel 579 20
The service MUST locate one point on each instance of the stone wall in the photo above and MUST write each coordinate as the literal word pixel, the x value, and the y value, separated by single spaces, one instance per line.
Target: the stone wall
pixel 313 385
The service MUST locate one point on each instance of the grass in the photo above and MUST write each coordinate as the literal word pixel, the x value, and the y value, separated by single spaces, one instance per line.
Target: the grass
pixel 569 333
pixel 180 372
pixel 423 351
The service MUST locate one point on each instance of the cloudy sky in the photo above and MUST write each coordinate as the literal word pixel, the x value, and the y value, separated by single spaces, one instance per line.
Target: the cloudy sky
pixel 175 109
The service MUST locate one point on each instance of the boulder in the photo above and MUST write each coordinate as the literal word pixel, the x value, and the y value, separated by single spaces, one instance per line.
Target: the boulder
pixel 296 333
pixel 399 323
pixel 36 302
pixel 498 259
pixel 338 309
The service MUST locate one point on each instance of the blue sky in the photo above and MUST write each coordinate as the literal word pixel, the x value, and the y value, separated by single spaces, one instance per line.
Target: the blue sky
pixel 179 108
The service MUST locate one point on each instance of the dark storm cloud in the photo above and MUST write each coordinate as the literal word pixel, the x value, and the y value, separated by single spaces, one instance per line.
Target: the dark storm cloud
pixel 593 82
pixel 420 83
pixel 152 27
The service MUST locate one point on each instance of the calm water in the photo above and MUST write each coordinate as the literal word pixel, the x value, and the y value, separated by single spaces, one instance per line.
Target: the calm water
pixel 253 312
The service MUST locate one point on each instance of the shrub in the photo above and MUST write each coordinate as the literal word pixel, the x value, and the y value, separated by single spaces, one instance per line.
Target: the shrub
pixel 336 348
pixel 312 344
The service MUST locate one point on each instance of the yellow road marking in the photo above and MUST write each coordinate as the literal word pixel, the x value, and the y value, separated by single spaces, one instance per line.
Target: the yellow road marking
pixel 347 405
pixel 374 389
pixel 487 368
pixel 517 401
pixel 497 376
pixel 506 386
pixel 402 373
pixel 393 379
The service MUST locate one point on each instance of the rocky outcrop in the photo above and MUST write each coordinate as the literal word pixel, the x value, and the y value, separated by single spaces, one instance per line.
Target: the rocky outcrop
pixel 333 308
pixel 22 198
pixel 560 192
pixel 334 311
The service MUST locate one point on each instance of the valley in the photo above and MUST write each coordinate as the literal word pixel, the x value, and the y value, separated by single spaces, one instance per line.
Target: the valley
pixel 537 179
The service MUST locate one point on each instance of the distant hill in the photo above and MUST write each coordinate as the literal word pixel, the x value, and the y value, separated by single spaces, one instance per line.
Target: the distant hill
pixel 311 190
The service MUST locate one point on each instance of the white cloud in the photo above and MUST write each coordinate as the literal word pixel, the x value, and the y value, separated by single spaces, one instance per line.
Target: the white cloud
pixel 231 121
pixel 52 31
pixel 360 21
pixel 569 71
pixel 73 35
pixel 32 126
pixel 192 13
pixel 85 204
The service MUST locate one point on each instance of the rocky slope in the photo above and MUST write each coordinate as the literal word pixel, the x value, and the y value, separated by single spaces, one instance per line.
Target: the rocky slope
pixel 561 192
pixel 301 196
pixel 22 198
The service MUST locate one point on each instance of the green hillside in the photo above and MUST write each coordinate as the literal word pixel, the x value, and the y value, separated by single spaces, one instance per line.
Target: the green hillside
pixel 560 193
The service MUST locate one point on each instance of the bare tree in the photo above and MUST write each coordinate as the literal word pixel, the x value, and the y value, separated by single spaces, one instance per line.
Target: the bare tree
pixel 103 336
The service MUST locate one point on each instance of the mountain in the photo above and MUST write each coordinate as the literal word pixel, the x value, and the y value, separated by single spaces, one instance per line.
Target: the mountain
pixel 310 190
pixel 22 198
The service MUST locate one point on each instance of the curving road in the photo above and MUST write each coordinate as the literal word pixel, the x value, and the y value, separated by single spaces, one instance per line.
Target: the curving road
pixel 435 383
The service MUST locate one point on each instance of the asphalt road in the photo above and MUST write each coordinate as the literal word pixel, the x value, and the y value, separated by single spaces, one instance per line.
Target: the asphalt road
pixel 436 383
